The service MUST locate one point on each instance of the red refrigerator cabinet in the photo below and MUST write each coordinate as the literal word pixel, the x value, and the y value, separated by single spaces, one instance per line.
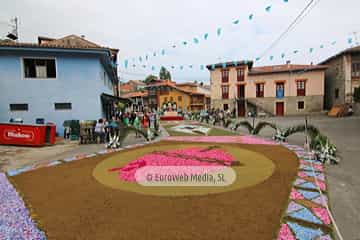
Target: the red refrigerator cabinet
pixel 27 134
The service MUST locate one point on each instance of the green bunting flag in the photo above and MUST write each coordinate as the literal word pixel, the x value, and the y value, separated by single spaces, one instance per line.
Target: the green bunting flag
pixel 333 43
pixel 218 31
pixel 349 40
pixel 153 68
pixel 271 58
pixel 282 55
pixel 181 67
pixel 236 21
pixel 251 16
pixel 154 54
pixel 147 57
pixel 296 51
pixel 184 43
pixel 163 52
pixel 126 63
pixel 190 66
pixel 268 8
pixel 257 59
pixel 196 41
pixel 201 67
pixel 140 59
pixel 206 35
pixel 311 50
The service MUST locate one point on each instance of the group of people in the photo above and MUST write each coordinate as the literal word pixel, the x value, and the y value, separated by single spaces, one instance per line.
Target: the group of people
pixel 109 131
pixel 213 114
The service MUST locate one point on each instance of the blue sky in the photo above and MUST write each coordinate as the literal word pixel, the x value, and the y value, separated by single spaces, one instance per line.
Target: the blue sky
pixel 140 27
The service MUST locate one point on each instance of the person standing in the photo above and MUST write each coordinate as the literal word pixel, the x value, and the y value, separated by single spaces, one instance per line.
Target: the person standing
pixel 100 130
pixel 136 124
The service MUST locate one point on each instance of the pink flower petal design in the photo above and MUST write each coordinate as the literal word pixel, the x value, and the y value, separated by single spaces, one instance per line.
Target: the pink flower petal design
pixel 321 185
pixel 295 195
pixel 323 214
pixel 302 174
pixel 178 157
pixel 285 233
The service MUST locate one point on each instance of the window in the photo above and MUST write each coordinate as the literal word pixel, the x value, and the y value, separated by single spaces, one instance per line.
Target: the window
pixel 355 70
pixel 39 68
pixel 301 105
pixel 225 75
pixel 179 98
pixel 63 106
pixel 336 93
pixel 280 90
pixel 171 99
pixel 19 107
pixel 240 74
pixel 260 90
pixel 165 99
pixel 225 92
pixel 226 107
pixel 301 86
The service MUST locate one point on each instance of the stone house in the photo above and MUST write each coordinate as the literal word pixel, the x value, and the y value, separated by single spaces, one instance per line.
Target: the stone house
pixel 273 90
pixel 342 77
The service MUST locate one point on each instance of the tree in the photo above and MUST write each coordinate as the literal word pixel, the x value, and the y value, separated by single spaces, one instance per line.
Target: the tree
pixel 149 78
pixel 164 74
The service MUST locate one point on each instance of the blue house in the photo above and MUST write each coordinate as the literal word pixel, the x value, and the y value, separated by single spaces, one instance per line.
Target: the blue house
pixel 57 80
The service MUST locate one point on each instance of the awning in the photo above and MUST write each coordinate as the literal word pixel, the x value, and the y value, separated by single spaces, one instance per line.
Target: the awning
pixel 110 98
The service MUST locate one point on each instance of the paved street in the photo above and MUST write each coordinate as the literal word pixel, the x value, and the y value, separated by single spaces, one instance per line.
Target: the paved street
pixel 12 157
pixel 343 179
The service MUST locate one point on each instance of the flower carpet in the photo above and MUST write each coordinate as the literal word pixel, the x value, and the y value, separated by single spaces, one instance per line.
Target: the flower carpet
pixel 191 129
pixel 235 213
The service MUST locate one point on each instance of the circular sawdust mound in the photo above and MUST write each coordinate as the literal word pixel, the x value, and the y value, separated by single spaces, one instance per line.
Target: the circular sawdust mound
pixel 254 168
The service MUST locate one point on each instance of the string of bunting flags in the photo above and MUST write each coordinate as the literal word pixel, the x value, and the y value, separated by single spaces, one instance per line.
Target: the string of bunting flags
pixel 195 40
pixel 202 67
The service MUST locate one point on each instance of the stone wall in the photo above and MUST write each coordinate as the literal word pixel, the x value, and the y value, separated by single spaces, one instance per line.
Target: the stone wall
pixel 334 79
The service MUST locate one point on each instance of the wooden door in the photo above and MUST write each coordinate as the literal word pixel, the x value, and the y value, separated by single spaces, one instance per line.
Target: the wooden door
pixel 279 109
pixel 241 108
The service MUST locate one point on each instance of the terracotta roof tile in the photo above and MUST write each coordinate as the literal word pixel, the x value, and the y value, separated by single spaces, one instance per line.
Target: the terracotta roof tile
pixel 135 94
pixel 70 42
